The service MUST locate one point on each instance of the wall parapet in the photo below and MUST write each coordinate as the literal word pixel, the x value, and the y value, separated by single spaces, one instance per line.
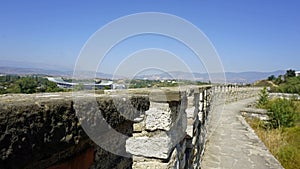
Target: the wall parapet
pixel 169 130
pixel 171 134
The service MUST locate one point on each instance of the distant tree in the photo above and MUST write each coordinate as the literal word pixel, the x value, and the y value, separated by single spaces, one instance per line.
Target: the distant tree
pixel 290 73
pixel 15 88
pixel 271 78
pixel 51 86
pixel 280 79
pixel 27 84
pixel 291 85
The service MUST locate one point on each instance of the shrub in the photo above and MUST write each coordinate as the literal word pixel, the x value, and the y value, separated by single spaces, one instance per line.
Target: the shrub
pixel 282 113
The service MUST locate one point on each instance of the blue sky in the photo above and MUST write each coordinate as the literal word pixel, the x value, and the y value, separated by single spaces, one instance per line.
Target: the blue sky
pixel 249 35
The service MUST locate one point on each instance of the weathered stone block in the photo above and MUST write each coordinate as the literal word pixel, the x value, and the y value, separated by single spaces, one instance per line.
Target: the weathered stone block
pixel 171 163
pixel 152 163
pixel 159 117
pixel 165 95
pixel 156 146
pixel 191 112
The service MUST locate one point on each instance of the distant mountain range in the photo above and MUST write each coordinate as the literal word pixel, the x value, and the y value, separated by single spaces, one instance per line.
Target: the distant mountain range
pixel 231 77
pixel 27 68
pixel 33 71
pixel 33 65
pixel 46 72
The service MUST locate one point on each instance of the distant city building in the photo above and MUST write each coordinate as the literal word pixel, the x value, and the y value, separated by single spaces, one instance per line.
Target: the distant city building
pixel 104 84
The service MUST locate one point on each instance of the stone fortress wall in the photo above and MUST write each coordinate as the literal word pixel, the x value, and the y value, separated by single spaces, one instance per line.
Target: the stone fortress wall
pixel 168 130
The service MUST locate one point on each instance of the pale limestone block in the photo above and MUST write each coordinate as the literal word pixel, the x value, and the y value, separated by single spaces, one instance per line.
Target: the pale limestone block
pixel 156 146
pixel 159 117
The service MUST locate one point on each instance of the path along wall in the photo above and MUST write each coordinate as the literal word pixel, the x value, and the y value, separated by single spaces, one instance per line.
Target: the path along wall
pixel 167 128
pixel 173 132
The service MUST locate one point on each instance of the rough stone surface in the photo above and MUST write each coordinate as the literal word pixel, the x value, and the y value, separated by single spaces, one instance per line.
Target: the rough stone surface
pixel 170 124
pixel 42 130
pixel 142 163
pixel 262 114
pixel 159 117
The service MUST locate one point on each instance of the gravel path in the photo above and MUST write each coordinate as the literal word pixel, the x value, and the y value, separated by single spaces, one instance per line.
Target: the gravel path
pixel 232 144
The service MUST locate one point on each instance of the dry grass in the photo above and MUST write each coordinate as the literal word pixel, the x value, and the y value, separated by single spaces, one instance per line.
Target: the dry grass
pixel 283 143
pixel 271 138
